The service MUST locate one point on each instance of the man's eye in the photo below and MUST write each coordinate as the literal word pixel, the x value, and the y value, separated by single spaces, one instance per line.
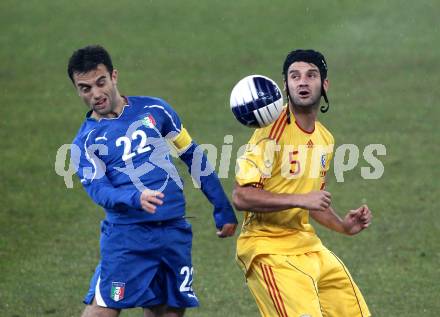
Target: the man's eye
pixel 85 89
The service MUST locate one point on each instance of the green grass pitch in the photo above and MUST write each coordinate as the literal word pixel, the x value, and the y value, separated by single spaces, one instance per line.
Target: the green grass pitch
pixel 383 61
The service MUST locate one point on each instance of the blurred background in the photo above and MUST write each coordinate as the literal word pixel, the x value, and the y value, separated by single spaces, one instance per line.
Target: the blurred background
pixel 383 59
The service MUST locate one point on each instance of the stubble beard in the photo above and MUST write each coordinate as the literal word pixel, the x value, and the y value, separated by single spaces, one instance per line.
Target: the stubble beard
pixel 309 103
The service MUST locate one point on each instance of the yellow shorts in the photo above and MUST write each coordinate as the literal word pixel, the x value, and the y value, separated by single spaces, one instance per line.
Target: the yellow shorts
pixel 315 284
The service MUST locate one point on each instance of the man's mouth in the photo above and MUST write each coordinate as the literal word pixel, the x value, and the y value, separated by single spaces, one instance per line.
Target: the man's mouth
pixel 304 93
pixel 100 102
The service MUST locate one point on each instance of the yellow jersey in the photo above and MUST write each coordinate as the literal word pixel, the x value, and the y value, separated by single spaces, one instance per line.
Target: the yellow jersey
pixel 282 158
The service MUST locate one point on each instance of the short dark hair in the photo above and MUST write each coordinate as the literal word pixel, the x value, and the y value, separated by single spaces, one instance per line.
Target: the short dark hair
pixel 88 58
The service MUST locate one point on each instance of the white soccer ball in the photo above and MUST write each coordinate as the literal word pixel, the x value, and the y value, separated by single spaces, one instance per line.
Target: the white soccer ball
pixel 256 101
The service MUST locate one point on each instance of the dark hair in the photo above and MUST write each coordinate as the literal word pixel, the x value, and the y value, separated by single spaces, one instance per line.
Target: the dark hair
pixel 308 56
pixel 88 58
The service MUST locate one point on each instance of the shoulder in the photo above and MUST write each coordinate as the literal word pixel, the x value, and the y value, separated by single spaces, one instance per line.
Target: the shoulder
pixel 325 132
pixel 274 130
pixel 84 133
pixel 267 138
pixel 151 105
pixel 148 102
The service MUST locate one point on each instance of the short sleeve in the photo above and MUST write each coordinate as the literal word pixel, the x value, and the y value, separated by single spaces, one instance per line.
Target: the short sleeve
pixel 257 161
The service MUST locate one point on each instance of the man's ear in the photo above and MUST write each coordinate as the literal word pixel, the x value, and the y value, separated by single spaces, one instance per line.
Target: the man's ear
pixel 114 76
pixel 325 84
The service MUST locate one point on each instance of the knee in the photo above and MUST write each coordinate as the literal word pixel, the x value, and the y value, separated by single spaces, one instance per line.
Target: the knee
pixel 94 310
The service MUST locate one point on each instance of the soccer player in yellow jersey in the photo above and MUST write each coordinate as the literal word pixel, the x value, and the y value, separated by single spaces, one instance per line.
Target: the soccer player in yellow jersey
pixel 279 184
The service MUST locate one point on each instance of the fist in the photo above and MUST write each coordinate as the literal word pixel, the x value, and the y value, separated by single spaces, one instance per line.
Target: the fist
pixel 357 220
pixel 316 200
pixel 227 230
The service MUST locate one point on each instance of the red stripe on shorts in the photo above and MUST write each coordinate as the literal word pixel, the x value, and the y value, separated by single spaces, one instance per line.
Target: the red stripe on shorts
pixel 271 290
pixel 283 308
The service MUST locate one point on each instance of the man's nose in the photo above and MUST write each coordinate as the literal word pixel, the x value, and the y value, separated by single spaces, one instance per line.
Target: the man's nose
pixel 96 93
pixel 303 82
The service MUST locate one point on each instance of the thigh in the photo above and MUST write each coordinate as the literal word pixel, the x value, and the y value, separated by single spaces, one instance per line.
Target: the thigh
pixel 284 285
pixel 177 268
pixel 338 293
pixel 129 263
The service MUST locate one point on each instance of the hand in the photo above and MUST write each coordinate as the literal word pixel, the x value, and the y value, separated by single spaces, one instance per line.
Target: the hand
pixel 149 200
pixel 227 230
pixel 316 200
pixel 357 220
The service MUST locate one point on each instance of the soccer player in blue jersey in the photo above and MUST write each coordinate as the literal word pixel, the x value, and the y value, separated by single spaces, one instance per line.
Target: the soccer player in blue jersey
pixel 125 167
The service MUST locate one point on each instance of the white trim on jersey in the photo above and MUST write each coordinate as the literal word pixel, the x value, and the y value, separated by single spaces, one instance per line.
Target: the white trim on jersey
pixel 115 118
pixel 98 296
pixel 167 113
pixel 89 158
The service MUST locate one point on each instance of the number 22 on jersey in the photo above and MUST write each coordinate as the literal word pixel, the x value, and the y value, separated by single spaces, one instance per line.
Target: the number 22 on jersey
pixel 126 142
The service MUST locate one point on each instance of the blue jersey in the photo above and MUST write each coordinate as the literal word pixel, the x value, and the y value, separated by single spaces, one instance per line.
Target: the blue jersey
pixel 120 157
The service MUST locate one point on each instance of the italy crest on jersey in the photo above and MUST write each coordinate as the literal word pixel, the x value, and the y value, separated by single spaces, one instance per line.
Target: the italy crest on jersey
pixel 149 121
pixel 117 292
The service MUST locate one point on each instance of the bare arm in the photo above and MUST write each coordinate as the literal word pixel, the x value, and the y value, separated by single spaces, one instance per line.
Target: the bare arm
pixel 328 218
pixel 250 198
pixel 354 222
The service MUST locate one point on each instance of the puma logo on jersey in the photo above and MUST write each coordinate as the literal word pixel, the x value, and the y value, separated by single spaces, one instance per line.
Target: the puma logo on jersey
pixel 101 138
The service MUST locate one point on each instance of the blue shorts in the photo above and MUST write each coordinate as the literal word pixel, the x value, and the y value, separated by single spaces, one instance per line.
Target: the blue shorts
pixel 144 265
